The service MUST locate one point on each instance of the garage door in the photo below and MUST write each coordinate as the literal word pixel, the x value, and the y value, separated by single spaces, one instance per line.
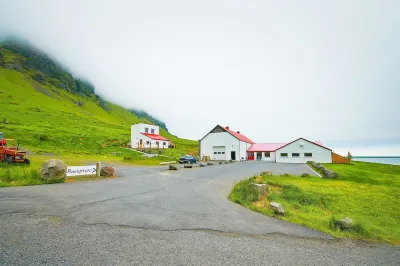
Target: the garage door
pixel 219 152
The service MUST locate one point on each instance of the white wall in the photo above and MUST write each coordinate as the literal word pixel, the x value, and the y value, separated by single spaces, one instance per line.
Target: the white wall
pixel 319 154
pixel 269 159
pixel 222 139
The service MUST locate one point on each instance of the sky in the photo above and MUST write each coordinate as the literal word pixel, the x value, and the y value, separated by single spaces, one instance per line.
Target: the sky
pixel 275 70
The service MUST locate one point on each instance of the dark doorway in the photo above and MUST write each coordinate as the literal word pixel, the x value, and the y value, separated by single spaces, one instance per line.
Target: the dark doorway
pixel 233 155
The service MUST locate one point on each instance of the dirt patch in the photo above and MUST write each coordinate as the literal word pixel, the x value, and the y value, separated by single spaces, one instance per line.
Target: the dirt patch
pixel 40 89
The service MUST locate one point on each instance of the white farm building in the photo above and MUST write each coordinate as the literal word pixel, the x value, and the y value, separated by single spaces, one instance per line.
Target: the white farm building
pixel 147 136
pixel 222 143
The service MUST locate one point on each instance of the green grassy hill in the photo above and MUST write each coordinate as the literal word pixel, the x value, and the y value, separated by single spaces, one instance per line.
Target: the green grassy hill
pixel 52 113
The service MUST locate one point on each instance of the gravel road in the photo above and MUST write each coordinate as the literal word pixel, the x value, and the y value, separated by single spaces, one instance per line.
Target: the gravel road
pixel 154 216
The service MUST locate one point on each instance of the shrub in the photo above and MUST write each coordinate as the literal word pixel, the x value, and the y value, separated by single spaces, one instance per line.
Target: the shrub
pixel 243 192
pixel 43 137
pixel 285 174
pixel 305 175
pixel 335 224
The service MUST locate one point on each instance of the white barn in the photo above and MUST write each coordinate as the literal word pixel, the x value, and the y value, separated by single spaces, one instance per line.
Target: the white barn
pixel 297 151
pixel 147 136
pixel 222 143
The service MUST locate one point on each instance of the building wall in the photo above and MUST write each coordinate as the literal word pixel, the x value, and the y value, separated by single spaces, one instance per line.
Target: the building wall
pixel 222 139
pixel 269 159
pixel 319 154
pixel 136 136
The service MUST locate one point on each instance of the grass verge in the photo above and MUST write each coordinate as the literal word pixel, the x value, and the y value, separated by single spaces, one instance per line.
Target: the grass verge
pixel 368 193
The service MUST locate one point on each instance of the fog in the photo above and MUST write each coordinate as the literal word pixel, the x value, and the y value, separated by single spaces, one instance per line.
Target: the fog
pixel 275 70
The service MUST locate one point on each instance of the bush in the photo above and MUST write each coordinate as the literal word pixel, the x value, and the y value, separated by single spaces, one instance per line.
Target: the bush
pixel 285 174
pixel 305 175
pixel 43 137
pixel 335 224
pixel 243 192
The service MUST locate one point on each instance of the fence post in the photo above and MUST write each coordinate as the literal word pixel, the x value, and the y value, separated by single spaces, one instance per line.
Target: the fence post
pixel 98 168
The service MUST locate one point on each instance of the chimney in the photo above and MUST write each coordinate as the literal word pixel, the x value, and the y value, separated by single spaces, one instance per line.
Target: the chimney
pixel 227 127
pixel 238 132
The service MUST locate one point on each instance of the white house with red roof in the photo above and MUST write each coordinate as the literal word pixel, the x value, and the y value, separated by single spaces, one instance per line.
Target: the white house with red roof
pixel 147 136
pixel 223 143
pixel 298 151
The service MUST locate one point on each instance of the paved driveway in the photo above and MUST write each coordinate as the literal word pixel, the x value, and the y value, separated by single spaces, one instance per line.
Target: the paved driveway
pixel 149 202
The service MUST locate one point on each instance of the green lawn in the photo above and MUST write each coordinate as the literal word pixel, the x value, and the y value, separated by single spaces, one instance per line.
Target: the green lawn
pixel 366 192
pixel 49 123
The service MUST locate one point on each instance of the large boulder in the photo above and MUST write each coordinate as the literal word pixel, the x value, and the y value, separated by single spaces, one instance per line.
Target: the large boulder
pixel 345 223
pixel 107 171
pixel 53 169
pixel 277 207
pixel 261 188
pixel 329 174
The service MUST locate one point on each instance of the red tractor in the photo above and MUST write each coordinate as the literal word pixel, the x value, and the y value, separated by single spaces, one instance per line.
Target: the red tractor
pixel 10 152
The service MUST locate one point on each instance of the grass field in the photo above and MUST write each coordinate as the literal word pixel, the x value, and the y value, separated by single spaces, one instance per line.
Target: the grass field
pixel 368 193
pixel 49 123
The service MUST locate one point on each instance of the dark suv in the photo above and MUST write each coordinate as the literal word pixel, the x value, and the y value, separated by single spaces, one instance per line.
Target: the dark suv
pixel 187 159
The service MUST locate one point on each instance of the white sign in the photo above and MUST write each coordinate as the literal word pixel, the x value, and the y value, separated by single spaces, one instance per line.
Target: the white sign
pixel 81 170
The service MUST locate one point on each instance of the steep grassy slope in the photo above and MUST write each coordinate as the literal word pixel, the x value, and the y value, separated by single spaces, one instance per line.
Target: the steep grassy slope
pixel 50 119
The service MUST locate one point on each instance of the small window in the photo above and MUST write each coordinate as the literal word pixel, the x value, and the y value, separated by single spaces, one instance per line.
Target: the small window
pixel 146 129
pixel 147 142
pixel 295 154
pixel 219 152
pixel 267 154
pixel 223 152
pixel 164 143
pixel 284 154
pixel 215 152
pixel 307 154
pixel 152 131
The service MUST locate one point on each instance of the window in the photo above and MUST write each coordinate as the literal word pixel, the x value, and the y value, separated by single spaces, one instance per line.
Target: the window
pixel 152 131
pixel 164 143
pixel 147 142
pixel 296 154
pixel 219 152
pixel 267 154
pixel 223 152
pixel 307 154
pixel 157 143
pixel 215 152
pixel 284 154
pixel 146 129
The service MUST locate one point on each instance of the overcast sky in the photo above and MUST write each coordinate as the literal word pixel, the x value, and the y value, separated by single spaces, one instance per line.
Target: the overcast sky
pixel 275 70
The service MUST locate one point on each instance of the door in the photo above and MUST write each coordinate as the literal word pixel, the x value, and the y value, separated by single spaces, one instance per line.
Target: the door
pixel 233 155
pixel 140 143
pixel 219 153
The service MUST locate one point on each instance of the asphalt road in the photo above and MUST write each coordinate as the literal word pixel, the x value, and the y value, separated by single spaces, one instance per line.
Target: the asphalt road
pixel 154 216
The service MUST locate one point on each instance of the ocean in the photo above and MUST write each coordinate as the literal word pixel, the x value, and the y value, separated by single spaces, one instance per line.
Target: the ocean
pixel 385 160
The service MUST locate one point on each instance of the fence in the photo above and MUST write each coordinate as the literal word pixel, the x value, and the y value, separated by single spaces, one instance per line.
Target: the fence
pixel 336 158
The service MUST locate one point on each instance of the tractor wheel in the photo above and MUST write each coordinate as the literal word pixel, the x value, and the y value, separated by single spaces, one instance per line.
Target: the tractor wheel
pixel 27 161
pixel 9 160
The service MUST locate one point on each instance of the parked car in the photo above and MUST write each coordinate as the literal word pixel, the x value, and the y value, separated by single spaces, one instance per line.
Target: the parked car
pixel 187 159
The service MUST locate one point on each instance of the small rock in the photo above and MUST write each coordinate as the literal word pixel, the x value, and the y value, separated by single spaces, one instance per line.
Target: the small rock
pixel 305 175
pixel 266 173
pixel 53 170
pixel 261 188
pixel 220 162
pixel 226 162
pixel 230 161
pixel 329 174
pixel 187 166
pixel 172 167
pixel 202 165
pixel 277 208
pixel 346 223
pixel 210 163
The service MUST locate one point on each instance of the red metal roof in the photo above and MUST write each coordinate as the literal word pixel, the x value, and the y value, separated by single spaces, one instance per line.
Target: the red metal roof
pixel 276 146
pixel 238 135
pixel 154 136
pixel 318 143
pixel 265 147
